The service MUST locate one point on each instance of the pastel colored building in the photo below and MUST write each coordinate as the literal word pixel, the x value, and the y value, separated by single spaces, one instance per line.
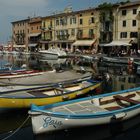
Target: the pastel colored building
pixel 34 34
pixel 20 30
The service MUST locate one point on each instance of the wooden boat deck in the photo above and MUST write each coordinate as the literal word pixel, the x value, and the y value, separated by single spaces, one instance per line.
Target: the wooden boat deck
pixel 108 104
pixel 119 97
pixel 80 108
pixel 46 92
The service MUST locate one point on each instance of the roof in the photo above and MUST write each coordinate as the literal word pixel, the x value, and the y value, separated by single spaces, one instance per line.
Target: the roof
pixel 84 42
pixel 129 4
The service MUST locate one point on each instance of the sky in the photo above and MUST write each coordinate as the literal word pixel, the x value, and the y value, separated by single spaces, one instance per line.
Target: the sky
pixel 14 10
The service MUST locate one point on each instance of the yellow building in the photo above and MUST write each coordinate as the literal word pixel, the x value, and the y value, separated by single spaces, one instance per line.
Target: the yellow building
pixel 71 30
pixel 87 31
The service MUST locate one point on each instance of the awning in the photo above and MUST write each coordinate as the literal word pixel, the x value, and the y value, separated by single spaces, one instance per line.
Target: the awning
pixel 134 40
pixel 19 46
pixel 118 43
pixel 32 45
pixel 84 42
pixel 34 34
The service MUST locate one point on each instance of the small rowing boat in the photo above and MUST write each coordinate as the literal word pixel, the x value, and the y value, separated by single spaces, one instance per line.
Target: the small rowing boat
pixel 95 110
pixel 46 94
pixel 20 73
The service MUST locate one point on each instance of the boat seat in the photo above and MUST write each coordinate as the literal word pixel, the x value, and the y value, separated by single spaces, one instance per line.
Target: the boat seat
pixel 102 102
pixel 37 94
pixel 113 108
pixel 62 89
pixel 119 97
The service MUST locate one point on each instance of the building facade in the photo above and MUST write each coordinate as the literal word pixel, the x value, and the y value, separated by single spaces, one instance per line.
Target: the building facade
pixel 34 35
pixel 20 30
pixel 84 30
pixel 71 30
pixel 128 25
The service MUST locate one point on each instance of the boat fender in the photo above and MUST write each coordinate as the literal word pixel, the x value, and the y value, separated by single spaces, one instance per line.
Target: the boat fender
pixel 120 115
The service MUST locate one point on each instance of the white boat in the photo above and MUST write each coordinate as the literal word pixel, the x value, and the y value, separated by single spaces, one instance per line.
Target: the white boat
pixel 95 110
pixel 52 53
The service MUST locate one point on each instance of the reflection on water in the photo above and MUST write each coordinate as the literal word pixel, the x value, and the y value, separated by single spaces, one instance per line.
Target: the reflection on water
pixel 120 78
pixel 127 130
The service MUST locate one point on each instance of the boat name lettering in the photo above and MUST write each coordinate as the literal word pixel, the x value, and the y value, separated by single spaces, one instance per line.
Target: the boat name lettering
pixel 49 121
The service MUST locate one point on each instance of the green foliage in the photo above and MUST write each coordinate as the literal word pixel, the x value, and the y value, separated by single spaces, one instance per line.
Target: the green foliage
pixel 124 2
pixel 105 6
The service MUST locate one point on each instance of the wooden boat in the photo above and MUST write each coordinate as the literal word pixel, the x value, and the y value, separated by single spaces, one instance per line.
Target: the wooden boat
pixel 7 70
pixel 95 110
pixel 114 60
pixel 46 94
pixel 20 73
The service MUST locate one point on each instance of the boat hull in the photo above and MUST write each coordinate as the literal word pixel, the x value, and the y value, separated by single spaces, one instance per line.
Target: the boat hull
pixel 96 110
pixel 49 55
pixel 25 101
pixel 46 123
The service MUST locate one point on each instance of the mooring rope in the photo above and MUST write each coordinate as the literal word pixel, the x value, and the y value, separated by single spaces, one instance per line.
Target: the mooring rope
pixel 15 131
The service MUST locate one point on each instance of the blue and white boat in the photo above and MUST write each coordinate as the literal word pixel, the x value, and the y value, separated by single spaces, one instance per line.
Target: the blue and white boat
pixel 89 111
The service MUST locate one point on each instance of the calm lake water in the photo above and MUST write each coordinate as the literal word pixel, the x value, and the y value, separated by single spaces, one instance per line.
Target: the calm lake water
pixel 122 77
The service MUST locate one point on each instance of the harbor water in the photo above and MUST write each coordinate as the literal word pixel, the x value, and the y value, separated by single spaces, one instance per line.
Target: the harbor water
pixel 16 124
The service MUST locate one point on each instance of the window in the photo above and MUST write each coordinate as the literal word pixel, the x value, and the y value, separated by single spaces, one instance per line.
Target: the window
pixel 80 33
pixel 44 24
pixel 134 23
pixel 91 33
pixel 70 20
pixel 72 32
pixel 123 35
pixel 123 12
pixel 134 11
pixel 124 23
pixel 81 21
pixel 91 20
pixel 61 21
pixel 65 21
pixel 133 34
pixel 57 22
pixel 73 20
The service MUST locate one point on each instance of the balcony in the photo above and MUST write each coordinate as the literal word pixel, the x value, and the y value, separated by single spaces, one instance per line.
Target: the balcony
pixel 63 37
pixel 48 28
pixel 87 37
